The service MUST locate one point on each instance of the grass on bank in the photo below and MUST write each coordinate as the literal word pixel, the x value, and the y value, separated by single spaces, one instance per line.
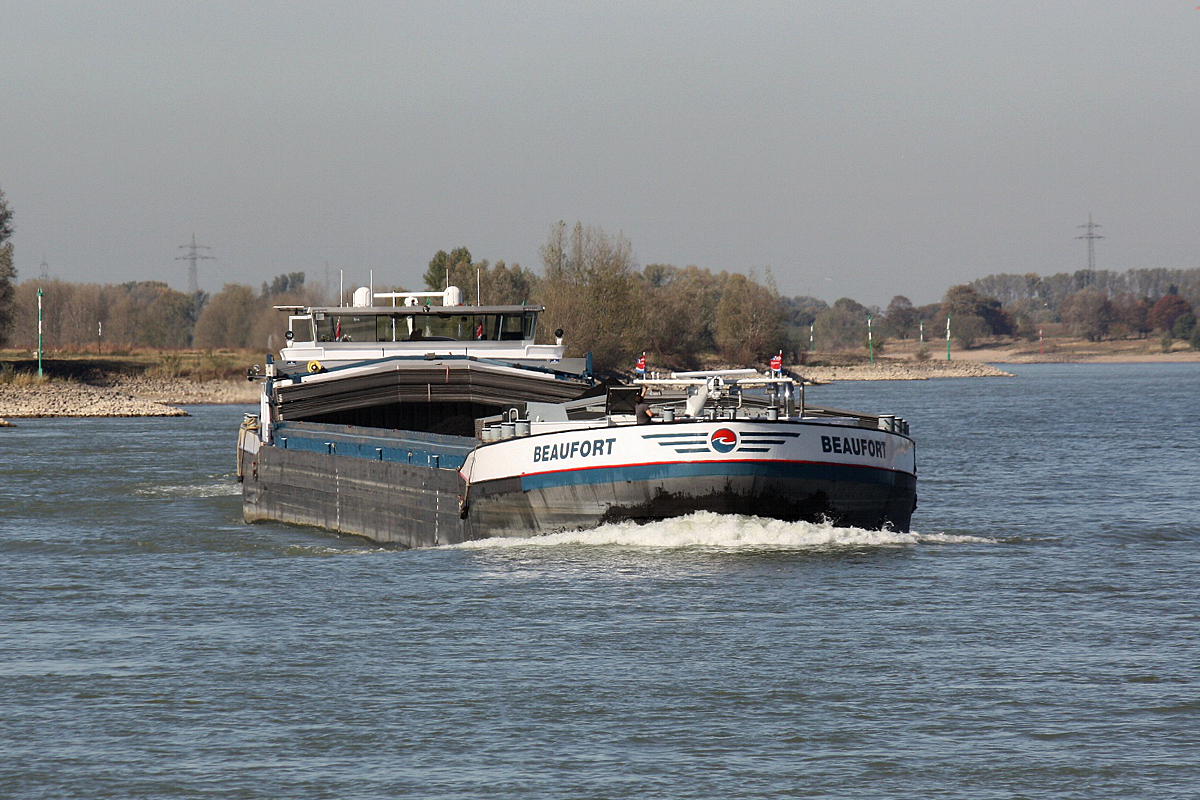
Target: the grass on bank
pixel 20 367
pixel 11 376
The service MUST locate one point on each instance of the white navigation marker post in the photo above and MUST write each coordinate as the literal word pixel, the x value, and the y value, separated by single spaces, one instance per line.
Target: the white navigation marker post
pixel 39 296
pixel 870 341
pixel 947 337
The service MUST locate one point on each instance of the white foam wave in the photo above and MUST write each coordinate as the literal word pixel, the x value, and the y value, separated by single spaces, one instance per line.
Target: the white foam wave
pixel 725 532
pixel 223 488
pixel 954 538
pixel 318 551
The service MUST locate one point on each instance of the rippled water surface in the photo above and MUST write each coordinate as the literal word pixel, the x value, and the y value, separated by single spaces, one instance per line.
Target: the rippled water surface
pixel 1037 635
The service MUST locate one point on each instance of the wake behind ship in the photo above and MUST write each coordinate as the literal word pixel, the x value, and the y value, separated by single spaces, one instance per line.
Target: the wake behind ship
pixel 422 424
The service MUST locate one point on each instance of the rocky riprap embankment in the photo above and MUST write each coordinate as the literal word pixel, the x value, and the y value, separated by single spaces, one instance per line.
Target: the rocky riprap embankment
pixel 127 397
pixel 156 397
pixel 179 391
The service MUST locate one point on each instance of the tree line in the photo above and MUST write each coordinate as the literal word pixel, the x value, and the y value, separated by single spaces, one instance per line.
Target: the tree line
pixel 593 289
pixel 1100 304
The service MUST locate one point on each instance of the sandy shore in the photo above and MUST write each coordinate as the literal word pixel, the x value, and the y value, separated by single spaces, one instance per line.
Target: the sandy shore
pixel 1076 356
pixel 901 371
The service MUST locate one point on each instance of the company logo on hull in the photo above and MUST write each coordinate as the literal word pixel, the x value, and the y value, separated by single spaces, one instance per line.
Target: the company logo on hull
pixel 723 440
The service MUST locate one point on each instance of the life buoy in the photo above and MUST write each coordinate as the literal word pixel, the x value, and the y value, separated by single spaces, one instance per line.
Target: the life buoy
pixel 314 366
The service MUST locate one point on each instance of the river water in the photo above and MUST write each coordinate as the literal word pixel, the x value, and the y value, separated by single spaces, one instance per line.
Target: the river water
pixel 1037 635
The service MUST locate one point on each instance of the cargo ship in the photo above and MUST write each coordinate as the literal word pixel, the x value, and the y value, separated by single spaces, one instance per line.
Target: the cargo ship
pixel 411 419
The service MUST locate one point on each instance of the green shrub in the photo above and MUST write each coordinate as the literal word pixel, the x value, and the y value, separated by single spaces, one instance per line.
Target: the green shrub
pixel 169 365
pixel 10 377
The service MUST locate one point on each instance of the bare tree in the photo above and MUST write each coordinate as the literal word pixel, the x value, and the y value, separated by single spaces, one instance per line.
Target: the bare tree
pixel 1088 313
pixel 228 319
pixel 901 317
pixel 592 292
pixel 842 326
pixel 750 321
pixel 682 316
pixel 8 271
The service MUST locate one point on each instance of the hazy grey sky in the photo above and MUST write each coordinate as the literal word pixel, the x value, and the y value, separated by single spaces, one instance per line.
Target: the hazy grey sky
pixel 860 149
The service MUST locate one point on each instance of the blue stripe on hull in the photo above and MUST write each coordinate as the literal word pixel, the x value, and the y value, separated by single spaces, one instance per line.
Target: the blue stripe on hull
pixel 793 470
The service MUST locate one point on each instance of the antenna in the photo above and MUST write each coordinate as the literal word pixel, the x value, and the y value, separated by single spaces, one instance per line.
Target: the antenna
pixel 193 257
pixel 1091 240
pixel 45 274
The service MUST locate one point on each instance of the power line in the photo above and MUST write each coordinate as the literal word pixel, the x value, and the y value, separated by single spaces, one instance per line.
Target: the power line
pixel 193 257
pixel 1091 237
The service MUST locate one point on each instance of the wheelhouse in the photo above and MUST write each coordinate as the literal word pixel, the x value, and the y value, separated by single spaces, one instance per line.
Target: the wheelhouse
pixel 414 324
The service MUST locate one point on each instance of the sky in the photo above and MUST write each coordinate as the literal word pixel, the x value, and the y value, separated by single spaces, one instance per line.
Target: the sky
pixel 847 149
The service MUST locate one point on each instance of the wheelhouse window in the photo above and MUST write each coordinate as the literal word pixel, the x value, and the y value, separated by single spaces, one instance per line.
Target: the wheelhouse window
pixel 347 328
pixel 516 326
pixel 302 328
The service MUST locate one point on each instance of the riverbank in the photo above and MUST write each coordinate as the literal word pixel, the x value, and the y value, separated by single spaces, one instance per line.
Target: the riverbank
pixel 144 396
pixel 1003 350
pixel 121 396
pixel 898 370
pixel 129 387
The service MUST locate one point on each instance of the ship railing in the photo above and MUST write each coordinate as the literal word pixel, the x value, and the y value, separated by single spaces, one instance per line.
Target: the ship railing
pixel 718 389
